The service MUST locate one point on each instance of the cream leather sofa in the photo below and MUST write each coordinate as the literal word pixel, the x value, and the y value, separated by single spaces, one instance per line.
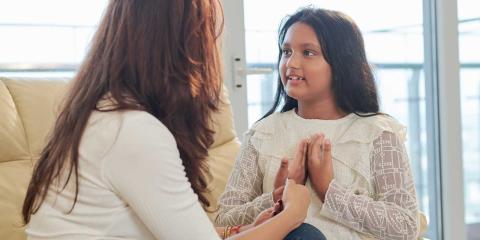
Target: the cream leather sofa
pixel 27 112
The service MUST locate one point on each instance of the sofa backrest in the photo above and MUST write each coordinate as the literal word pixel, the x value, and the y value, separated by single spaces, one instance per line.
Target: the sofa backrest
pixel 27 112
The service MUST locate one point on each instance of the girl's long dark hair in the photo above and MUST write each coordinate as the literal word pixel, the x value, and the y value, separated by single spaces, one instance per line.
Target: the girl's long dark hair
pixel 164 55
pixel 342 46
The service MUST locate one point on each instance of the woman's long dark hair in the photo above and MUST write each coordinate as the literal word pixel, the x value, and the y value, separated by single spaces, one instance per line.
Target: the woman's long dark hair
pixel 342 46
pixel 164 55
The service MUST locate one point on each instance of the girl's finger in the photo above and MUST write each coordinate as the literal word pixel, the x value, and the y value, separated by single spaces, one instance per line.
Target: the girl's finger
pixel 327 150
pixel 310 145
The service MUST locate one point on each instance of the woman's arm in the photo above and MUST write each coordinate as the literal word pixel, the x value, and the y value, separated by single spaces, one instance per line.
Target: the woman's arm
pixel 264 216
pixel 393 212
pixel 296 199
pixel 276 228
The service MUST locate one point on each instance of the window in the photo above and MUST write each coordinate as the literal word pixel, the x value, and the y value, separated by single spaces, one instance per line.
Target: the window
pixel 469 51
pixel 46 37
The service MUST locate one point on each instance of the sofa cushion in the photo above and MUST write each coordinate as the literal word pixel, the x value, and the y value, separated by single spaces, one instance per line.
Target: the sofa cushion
pixel 14 178
pixel 24 124
pixel 36 101
pixel 223 122
pixel 15 166
pixel 13 144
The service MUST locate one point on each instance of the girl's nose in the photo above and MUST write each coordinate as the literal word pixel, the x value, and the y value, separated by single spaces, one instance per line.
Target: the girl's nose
pixel 293 61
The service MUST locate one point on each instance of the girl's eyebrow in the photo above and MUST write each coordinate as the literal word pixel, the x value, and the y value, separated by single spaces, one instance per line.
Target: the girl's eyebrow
pixel 304 45
pixel 311 45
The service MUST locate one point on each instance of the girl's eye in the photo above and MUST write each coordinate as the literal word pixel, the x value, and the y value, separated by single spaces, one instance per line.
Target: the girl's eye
pixel 286 52
pixel 308 53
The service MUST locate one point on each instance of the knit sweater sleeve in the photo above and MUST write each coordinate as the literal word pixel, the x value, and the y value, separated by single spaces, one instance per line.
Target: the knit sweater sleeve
pixel 392 213
pixel 243 198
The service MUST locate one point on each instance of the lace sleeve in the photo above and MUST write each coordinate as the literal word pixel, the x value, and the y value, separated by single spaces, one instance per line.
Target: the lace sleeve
pixel 242 199
pixel 393 212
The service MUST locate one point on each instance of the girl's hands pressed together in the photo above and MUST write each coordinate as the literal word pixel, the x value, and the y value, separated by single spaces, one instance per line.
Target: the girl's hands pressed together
pixel 295 170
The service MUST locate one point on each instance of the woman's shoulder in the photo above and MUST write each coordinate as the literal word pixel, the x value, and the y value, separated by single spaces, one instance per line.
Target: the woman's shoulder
pixel 141 123
pixel 127 125
pixel 124 119
pixel 117 136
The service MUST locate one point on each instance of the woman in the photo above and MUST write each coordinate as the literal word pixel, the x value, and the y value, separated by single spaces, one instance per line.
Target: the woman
pixel 327 98
pixel 126 159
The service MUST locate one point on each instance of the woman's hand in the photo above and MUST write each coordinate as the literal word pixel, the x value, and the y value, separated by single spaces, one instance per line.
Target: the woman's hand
pixel 319 164
pixel 264 216
pixel 296 199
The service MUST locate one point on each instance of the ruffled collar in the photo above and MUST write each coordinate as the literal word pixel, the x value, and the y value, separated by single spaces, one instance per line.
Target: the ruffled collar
pixel 295 115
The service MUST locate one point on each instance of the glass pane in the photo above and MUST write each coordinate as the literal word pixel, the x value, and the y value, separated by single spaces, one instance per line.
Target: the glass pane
pixel 49 34
pixel 394 44
pixel 469 37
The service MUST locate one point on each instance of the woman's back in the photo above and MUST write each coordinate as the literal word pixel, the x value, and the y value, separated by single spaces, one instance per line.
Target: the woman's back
pixel 119 151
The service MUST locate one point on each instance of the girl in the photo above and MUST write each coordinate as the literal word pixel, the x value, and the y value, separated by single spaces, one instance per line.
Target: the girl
pixel 361 179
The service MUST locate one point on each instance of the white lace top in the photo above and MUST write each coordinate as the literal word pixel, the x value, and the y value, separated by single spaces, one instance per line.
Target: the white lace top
pixel 372 194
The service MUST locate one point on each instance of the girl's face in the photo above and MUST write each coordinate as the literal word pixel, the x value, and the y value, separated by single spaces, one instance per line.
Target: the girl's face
pixel 305 74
